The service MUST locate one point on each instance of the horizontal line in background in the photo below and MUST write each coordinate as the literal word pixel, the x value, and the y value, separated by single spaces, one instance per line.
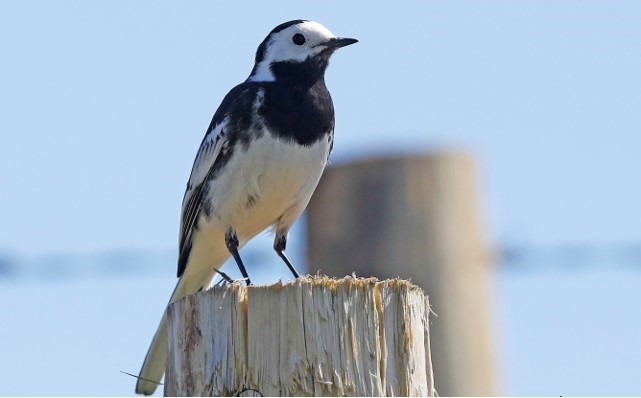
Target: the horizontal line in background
pixel 570 256
pixel 116 263
pixel 127 263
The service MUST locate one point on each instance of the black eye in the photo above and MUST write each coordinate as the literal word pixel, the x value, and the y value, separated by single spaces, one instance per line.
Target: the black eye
pixel 298 39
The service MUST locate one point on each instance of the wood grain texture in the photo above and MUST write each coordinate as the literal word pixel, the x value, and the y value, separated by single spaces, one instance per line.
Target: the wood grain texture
pixel 315 336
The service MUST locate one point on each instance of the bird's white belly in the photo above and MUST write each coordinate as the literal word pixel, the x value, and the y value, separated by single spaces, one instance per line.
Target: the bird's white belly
pixel 268 184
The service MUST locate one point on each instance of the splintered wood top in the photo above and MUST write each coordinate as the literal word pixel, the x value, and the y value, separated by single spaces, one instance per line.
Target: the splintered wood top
pixel 315 336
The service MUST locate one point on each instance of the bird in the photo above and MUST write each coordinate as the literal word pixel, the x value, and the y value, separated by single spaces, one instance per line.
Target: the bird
pixel 257 167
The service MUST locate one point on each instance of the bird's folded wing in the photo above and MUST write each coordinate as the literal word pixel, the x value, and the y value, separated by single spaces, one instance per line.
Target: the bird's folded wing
pixel 210 148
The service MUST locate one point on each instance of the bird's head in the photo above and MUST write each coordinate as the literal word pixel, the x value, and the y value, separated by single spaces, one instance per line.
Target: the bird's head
pixel 296 49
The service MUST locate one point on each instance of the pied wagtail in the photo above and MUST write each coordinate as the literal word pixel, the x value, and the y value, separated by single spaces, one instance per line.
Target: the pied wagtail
pixel 257 166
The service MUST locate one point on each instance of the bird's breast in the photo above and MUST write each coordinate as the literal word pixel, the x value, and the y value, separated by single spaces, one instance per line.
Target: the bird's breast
pixel 269 182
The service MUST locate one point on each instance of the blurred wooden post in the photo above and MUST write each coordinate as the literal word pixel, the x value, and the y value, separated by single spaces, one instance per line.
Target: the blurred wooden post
pixel 315 336
pixel 414 217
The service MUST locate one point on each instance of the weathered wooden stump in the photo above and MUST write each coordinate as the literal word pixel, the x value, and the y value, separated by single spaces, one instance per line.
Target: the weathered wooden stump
pixel 313 336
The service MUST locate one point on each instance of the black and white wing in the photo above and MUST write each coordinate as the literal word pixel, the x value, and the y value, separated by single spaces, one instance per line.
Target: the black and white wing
pixel 214 152
pixel 214 143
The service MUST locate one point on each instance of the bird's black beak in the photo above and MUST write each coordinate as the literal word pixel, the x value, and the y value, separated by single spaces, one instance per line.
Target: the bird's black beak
pixel 338 42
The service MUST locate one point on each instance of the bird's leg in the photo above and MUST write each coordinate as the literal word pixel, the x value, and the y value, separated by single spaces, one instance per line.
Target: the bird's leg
pixel 231 240
pixel 279 245
pixel 225 279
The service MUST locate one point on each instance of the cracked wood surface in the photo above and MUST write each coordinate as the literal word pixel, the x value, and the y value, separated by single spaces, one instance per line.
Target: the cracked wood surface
pixel 315 336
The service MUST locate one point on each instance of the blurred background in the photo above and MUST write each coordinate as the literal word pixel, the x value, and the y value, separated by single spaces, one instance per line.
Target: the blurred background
pixel 103 106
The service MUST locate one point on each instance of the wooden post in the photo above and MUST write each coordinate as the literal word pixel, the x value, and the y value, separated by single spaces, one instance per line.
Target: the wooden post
pixel 414 217
pixel 315 336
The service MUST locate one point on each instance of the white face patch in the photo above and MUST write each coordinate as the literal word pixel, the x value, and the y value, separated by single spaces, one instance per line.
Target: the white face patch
pixel 282 46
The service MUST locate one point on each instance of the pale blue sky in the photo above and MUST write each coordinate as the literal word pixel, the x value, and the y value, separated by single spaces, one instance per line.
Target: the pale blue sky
pixel 105 103
pixel 103 106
